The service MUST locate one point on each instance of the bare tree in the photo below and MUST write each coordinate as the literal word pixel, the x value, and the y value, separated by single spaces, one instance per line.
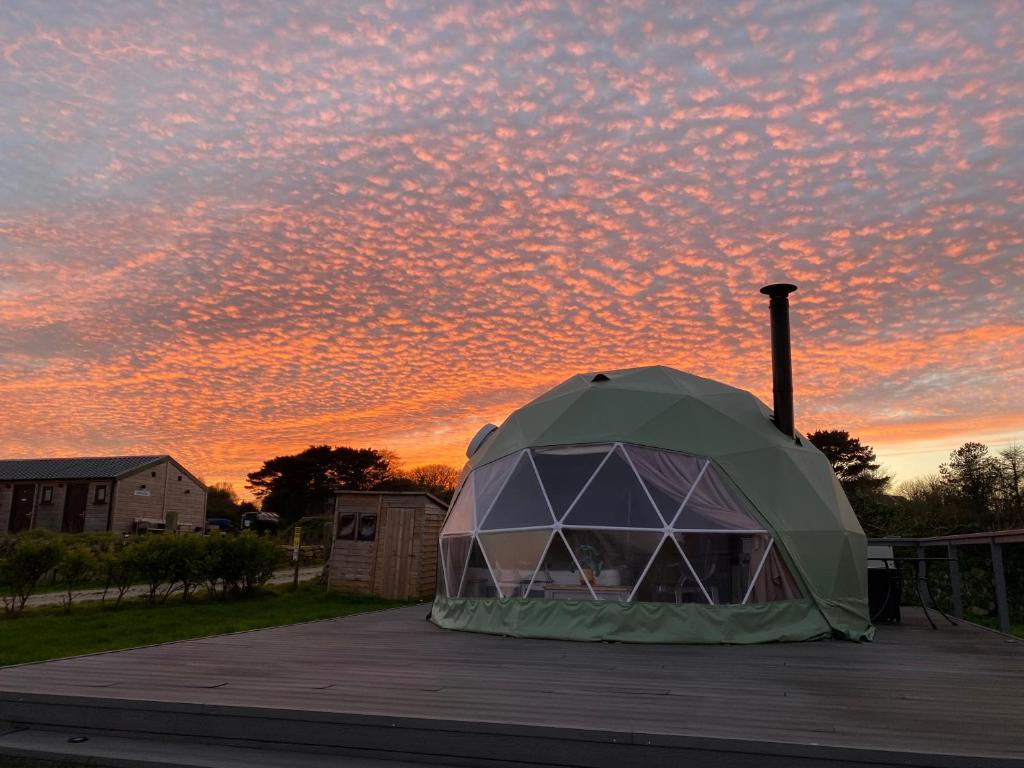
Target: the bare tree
pixel 972 478
pixel 1011 476
pixel 438 479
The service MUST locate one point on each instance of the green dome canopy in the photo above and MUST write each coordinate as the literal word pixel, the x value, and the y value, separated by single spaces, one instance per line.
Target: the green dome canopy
pixel 651 505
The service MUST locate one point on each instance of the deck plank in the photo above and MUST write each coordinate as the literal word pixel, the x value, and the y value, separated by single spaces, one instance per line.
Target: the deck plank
pixel 951 691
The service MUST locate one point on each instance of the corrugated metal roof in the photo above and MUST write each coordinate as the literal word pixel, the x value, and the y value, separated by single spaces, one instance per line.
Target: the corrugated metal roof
pixel 73 468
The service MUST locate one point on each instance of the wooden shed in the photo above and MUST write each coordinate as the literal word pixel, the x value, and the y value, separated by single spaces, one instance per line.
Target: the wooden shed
pixel 385 543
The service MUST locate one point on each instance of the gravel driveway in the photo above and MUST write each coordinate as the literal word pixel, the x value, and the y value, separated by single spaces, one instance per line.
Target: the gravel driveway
pixel 281 576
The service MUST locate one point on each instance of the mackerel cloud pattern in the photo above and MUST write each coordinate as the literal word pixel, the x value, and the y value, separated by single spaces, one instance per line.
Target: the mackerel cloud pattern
pixel 228 230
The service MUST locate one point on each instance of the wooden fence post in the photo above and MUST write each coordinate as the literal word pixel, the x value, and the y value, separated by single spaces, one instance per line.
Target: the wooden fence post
pixel 1000 579
pixel 953 553
pixel 922 577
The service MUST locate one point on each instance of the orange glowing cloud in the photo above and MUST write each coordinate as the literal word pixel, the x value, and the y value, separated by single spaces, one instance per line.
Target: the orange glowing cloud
pixel 230 235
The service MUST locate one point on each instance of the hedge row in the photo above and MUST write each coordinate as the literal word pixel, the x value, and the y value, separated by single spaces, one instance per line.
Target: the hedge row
pixel 222 565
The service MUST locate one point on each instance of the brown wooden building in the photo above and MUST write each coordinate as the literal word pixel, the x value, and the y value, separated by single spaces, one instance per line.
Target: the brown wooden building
pixel 385 544
pixel 109 493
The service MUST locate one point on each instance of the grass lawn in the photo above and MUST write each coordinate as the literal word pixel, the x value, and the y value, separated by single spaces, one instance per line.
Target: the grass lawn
pixel 993 623
pixel 48 633
pixel 7 761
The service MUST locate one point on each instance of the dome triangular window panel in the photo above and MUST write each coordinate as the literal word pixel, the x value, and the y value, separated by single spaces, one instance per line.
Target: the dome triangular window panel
pixel 669 579
pixel 668 476
pixel 520 503
pixel 612 561
pixel 514 556
pixel 454 552
pixel 774 582
pixel 614 498
pixel 564 471
pixel 488 481
pixel 557 576
pixel 713 505
pixel 725 563
pixel 460 519
pixel 477 581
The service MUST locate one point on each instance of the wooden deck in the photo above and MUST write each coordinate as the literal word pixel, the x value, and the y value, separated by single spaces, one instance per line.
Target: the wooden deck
pixel 392 685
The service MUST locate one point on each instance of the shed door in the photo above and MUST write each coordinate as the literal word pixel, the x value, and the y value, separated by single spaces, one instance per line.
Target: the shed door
pixel 394 573
pixel 21 508
pixel 74 507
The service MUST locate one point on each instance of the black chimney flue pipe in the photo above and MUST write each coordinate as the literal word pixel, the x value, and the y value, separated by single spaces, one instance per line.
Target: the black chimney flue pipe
pixel 782 361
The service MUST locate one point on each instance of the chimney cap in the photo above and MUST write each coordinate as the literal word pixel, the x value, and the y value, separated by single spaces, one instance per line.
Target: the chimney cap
pixel 778 289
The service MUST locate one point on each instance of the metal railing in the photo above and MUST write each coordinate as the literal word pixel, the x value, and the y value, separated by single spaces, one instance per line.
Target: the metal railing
pixel 996 540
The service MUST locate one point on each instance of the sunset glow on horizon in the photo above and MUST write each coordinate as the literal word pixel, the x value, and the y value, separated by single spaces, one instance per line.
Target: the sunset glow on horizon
pixel 232 230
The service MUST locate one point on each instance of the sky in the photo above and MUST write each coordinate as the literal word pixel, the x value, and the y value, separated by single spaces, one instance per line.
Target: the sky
pixel 229 230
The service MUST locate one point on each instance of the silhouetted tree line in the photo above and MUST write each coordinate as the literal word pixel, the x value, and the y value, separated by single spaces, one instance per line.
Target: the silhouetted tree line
pixel 975 490
pixel 303 483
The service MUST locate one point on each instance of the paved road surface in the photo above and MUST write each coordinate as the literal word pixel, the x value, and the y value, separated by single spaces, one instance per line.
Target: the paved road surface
pixel 281 576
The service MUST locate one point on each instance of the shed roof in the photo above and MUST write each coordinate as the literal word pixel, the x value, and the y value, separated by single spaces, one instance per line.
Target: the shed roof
pixel 76 468
pixel 432 497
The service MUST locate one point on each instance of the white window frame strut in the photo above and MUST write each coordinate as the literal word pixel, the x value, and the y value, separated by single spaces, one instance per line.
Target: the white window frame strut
pixel 529 587
pixel 647 493
pixel 576 562
pixel 501 489
pixel 574 527
pixel 487 561
pixel 757 573
pixel 689 565
pixel 587 484
pixel 543 490
pixel 533 573
pixel 650 562
pixel 650 559
pixel 629 460
pixel 465 565
pixel 444 565
pixel 455 500
pixel 689 493
pixel 484 532
pixel 721 530
pixel 668 531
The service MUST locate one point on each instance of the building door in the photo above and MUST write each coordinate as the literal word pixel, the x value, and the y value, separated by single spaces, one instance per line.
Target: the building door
pixel 21 508
pixel 394 570
pixel 74 507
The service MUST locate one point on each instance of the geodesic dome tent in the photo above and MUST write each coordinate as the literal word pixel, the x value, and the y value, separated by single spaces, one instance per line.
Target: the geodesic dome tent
pixel 650 505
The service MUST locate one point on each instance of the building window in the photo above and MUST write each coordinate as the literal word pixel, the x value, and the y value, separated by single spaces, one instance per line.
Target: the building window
pixel 179 478
pixel 101 494
pixel 347 526
pixel 367 527
pixel 47 497
pixel 153 473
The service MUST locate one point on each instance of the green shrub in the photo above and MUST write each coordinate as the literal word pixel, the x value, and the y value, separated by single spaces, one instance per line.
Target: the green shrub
pixel 119 569
pixel 187 567
pixel 163 563
pixel 77 565
pixel 222 571
pixel 153 563
pixel 21 569
pixel 7 545
pixel 253 560
pixel 97 542
pixel 166 562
